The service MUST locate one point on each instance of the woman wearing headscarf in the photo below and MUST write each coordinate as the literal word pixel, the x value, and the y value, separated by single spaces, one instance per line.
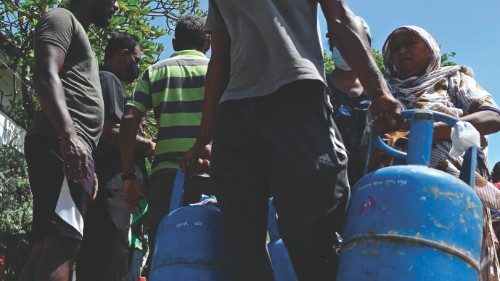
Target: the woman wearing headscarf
pixel 417 79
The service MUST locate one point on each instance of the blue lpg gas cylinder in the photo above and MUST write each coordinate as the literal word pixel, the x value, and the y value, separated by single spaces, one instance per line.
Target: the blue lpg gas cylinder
pixel 412 222
pixel 280 260
pixel 189 243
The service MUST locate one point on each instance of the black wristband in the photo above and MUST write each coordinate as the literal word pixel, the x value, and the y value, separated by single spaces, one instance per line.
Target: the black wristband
pixel 130 176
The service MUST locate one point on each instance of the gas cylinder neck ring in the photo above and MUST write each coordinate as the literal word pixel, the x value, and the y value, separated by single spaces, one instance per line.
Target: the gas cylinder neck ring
pixel 403 239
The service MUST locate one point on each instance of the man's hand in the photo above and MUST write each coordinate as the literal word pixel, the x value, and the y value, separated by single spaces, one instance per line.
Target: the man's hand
pixel 149 148
pixel 131 194
pixel 197 159
pixel 75 158
pixel 385 114
pixel 349 36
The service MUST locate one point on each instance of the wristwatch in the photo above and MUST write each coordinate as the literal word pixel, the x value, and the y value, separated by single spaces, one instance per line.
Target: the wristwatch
pixel 129 176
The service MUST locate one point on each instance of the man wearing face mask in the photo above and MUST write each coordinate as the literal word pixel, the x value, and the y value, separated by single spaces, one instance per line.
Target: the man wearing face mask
pixel 103 255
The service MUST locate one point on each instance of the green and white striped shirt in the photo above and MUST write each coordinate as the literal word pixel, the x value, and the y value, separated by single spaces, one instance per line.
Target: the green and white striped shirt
pixel 174 89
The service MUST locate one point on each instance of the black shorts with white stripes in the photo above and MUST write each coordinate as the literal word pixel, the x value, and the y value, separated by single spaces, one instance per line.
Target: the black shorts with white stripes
pixel 59 205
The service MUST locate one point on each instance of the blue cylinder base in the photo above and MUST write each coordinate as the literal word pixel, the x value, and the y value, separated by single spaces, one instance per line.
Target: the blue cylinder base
pixel 282 265
pixel 382 261
pixel 190 246
pixel 411 223
pixel 193 272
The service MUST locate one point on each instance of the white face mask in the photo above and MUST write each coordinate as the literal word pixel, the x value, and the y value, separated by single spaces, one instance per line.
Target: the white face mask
pixel 337 57
pixel 339 60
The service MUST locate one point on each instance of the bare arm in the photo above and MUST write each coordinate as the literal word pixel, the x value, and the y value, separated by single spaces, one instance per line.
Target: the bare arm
pixel 49 61
pixel 128 135
pixel 216 82
pixel 127 138
pixel 111 132
pixel 486 122
pixel 349 36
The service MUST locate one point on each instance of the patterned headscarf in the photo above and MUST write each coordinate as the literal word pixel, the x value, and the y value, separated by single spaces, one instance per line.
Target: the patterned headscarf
pixel 432 46
pixel 451 90
pixel 410 90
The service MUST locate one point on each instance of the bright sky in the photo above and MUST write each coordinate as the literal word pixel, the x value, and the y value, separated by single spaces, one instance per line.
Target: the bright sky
pixel 472 30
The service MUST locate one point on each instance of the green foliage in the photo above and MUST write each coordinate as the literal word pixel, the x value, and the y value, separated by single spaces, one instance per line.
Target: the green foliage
pixel 446 59
pixel 329 63
pixel 379 59
pixel 18 19
pixel 132 18
pixel 15 209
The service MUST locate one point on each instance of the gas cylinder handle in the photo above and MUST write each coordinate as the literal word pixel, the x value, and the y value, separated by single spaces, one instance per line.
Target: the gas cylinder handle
pixel 380 144
pixel 438 116
pixel 409 114
pixel 272 222
pixel 177 191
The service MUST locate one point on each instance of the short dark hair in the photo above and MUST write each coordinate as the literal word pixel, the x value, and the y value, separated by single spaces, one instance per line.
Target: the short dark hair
pixel 120 41
pixel 495 173
pixel 190 33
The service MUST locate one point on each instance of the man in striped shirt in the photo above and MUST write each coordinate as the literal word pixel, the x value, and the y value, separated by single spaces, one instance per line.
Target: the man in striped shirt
pixel 174 90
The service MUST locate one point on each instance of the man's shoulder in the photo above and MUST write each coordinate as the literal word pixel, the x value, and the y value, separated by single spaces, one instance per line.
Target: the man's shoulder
pixel 108 75
pixel 179 61
pixel 58 27
pixel 110 83
pixel 60 11
pixel 59 14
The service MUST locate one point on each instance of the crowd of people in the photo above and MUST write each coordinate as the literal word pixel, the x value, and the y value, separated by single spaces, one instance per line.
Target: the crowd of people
pixel 258 118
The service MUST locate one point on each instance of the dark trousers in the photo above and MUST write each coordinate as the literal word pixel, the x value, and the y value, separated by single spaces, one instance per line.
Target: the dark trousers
pixel 285 144
pixel 50 189
pixel 136 258
pixel 104 251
